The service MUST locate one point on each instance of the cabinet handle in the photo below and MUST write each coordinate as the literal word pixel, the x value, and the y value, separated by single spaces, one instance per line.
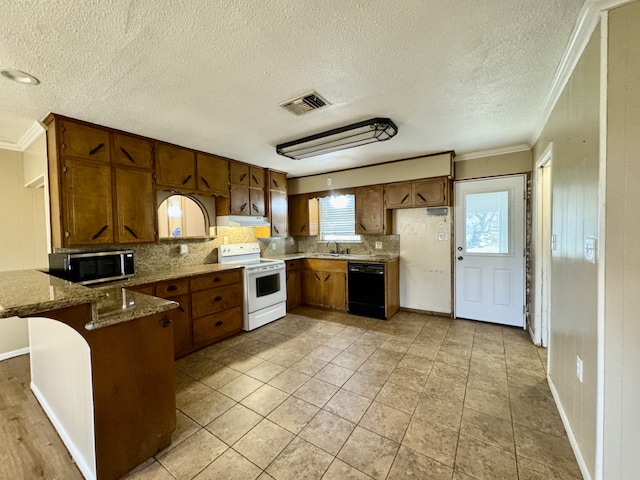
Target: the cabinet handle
pixel 165 322
pixel 317 276
pixel 206 184
pixel 244 205
pixel 275 229
pixel 422 198
pixel 181 309
pixel 362 226
pixel 172 288
pixel 126 154
pixel 255 179
pixel 254 207
pixel 327 277
pixel 303 227
pixel 217 299
pixel 186 180
pixel 219 323
pixel 216 280
pixel 275 183
pixel 130 230
pixel 404 199
pixel 95 150
pixel 100 232
pixel 242 177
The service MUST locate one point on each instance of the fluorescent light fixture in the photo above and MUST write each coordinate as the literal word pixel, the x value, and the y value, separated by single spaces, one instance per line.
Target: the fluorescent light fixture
pixel 361 133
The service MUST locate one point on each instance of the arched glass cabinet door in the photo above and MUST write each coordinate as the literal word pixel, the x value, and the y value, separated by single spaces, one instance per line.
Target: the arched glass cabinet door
pixel 180 216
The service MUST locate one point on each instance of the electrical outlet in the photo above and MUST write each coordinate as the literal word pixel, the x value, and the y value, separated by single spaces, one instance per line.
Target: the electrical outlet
pixel 329 181
pixel 579 368
pixel 184 249
pixel 590 250
pixel 273 245
pixel 378 245
pixel 442 236
pixel 225 240
pixel 441 225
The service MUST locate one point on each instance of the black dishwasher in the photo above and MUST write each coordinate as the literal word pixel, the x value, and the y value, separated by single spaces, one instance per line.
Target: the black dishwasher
pixel 366 289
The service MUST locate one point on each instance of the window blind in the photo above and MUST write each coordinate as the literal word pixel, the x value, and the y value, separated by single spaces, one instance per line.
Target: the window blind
pixel 337 218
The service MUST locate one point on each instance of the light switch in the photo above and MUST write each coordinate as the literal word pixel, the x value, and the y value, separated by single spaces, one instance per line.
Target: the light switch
pixel 590 250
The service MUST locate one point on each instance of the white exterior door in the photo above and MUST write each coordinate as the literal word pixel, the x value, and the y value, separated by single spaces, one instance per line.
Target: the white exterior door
pixel 489 250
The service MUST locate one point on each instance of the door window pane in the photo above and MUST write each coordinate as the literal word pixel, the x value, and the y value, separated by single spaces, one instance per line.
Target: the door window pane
pixel 487 222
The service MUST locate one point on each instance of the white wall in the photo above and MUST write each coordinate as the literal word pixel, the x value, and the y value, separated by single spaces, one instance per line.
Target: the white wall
pixel 573 127
pixel 622 259
pixel 23 242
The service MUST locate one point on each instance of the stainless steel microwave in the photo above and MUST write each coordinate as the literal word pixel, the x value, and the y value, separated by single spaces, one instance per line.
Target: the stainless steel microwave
pixel 92 267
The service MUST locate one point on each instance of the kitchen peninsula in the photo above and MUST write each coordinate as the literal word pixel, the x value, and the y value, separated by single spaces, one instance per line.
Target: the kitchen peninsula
pixel 101 366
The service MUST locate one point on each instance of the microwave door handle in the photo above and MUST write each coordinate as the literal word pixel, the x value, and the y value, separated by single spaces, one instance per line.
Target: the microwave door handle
pixel 122 268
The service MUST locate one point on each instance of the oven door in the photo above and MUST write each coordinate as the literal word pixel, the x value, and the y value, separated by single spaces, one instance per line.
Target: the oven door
pixel 266 286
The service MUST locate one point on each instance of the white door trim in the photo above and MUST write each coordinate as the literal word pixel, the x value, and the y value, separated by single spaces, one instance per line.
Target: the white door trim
pixel 540 327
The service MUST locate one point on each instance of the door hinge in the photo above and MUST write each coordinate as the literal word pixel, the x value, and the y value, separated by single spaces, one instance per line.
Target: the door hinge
pixel 66 234
pixel 64 169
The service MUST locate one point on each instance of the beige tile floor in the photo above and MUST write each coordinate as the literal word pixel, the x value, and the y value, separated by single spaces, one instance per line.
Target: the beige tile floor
pixel 326 395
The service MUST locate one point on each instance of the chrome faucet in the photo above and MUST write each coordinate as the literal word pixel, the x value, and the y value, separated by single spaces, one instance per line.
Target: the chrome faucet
pixel 336 251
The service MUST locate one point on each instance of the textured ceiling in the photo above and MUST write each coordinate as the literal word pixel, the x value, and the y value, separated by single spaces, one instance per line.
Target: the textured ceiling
pixel 463 75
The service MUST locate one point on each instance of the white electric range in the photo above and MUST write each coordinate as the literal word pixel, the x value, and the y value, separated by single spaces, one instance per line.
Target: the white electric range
pixel 265 284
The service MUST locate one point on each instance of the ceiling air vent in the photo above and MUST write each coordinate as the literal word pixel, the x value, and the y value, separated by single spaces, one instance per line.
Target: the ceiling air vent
pixel 305 103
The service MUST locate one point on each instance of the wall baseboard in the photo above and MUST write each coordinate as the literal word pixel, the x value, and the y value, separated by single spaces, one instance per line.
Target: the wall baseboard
pixel 73 450
pixel 567 426
pixel 14 353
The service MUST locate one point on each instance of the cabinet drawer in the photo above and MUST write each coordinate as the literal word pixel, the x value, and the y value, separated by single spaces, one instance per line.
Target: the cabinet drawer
pixel 146 289
pixel 207 302
pixel 338 266
pixel 172 288
pixel 293 264
pixel 213 327
pixel 219 279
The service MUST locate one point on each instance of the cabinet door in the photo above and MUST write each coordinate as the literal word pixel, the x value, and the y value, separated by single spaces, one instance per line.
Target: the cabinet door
pixel 312 287
pixel 277 181
pixel 334 290
pixel 256 199
pixel 88 203
pixel 256 177
pixel 278 213
pixel 398 195
pixel 430 192
pixel 299 215
pixel 82 141
pixel 182 327
pixel 238 173
pixel 175 167
pixel 239 202
pixel 370 210
pixel 132 151
pixel 135 205
pixel 294 287
pixel 213 174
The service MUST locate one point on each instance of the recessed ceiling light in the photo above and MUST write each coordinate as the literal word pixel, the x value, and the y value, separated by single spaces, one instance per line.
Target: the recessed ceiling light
pixel 18 76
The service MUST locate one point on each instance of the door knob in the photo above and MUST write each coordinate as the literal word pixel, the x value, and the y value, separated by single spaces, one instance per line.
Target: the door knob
pixel 460 257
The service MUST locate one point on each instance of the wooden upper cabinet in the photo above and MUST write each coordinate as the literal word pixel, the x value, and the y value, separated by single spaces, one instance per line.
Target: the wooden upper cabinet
pixel 257 202
pixel 88 204
pixel 277 181
pixel 239 200
pixel 431 192
pixel 135 206
pixel 238 173
pixel 213 174
pixel 82 141
pixel 256 177
pixel 299 215
pixel 371 215
pixel 132 151
pixel 278 211
pixel 175 167
pixel 398 195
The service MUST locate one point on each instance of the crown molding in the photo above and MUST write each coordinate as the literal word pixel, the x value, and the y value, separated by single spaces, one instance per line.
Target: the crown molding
pixel 588 19
pixel 34 132
pixel 29 137
pixel 492 152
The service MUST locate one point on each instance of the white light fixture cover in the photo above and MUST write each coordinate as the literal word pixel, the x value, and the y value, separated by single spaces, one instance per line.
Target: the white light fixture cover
pixel 361 133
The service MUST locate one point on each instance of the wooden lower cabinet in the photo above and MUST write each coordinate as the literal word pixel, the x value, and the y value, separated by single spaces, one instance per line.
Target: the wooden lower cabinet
pixel 324 283
pixel 210 308
pixel 294 283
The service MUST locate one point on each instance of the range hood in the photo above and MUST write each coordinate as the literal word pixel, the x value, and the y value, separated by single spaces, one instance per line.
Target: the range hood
pixel 242 221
